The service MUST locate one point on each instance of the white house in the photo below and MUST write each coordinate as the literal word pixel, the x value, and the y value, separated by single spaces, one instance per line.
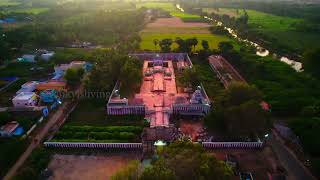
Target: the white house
pixel 25 99
pixel 28 87
pixel 28 58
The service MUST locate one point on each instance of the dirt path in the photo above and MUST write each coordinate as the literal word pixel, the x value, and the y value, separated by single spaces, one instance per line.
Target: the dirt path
pixel 36 140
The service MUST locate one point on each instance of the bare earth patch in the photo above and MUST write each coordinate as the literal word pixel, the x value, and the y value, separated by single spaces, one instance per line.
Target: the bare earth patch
pixel 89 167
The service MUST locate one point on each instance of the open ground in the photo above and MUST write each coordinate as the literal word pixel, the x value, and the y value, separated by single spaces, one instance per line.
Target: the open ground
pixel 89 167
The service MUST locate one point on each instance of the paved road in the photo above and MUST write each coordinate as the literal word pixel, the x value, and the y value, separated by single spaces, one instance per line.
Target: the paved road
pixel 289 160
pixel 40 136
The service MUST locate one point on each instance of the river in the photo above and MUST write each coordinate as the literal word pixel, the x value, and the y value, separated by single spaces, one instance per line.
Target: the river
pixel 261 51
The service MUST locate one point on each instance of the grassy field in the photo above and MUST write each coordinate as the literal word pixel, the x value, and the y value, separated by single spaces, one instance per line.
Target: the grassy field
pixel 30 10
pixel 282 30
pixel 166 6
pixel 147 39
pixel 274 28
pixel 266 21
pixel 172 9
pixel 8 3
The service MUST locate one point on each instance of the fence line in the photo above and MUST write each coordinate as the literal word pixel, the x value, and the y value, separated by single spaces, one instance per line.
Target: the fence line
pixel 93 145
pixel 232 145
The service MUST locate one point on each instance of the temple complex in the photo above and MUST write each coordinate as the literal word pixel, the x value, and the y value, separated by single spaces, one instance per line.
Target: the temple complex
pixel 159 96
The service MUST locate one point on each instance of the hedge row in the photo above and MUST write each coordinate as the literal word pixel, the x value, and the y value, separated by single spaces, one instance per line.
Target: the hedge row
pixel 110 129
pixel 96 135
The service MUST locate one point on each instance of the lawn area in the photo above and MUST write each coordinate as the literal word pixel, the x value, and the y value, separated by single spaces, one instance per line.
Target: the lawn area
pixel 147 39
pixel 89 122
pixel 92 112
pixel 89 112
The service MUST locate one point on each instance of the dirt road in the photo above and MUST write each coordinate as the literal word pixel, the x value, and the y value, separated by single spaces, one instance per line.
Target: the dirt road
pixel 36 140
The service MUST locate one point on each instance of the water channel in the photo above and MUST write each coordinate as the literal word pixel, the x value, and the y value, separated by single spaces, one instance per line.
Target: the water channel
pixel 261 51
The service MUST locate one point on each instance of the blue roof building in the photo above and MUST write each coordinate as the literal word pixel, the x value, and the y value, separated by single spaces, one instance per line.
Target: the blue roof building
pixel 48 96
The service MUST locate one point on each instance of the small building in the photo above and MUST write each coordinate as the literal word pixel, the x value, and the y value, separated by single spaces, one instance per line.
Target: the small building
pixel 29 58
pixel 28 87
pixel 88 66
pixel 24 99
pixel 52 85
pixel 10 20
pixel 77 64
pixel 61 68
pixel 48 96
pixel 11 129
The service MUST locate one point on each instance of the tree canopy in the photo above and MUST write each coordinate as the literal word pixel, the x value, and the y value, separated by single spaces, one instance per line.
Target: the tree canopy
pixel 181 160
pixel 185 160
pixel 238 111
pixel 311 62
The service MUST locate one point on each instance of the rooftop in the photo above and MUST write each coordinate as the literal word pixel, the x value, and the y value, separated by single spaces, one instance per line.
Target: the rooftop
pixel 24 96
pixel 10 127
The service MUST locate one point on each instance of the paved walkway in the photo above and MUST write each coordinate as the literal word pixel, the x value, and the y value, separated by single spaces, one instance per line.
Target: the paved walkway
pixel 289 160
pixel 36 140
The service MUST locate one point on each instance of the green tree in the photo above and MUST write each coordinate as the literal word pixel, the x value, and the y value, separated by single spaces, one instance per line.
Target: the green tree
pixel 131 73
pixel 73 76
pixel 155 42
pixel 194 43
pixel 189 77
pixel 225 47
pixel 238 111
pixel 311 61
pixel 205 45
pixel 165 45
pixel 185 160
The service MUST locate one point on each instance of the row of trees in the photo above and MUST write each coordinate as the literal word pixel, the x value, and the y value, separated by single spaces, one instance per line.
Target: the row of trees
pixel 184 45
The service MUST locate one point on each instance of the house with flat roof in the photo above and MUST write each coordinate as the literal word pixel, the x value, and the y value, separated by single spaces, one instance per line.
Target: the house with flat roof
pixel 11 129
pixel 25 99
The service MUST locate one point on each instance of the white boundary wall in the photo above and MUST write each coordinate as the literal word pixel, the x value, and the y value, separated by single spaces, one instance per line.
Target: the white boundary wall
pixel 232 145
pixel 93 145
